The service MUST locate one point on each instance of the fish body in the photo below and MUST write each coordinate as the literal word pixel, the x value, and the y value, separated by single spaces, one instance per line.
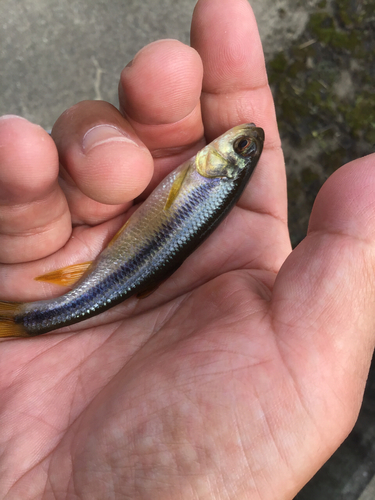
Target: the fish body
pixel 174 220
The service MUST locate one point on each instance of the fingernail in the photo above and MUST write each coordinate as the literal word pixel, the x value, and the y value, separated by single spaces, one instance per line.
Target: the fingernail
pixel 12 117
pixel 103 134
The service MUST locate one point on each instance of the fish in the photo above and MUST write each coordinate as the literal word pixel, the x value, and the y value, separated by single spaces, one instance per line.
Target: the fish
pixel 182 211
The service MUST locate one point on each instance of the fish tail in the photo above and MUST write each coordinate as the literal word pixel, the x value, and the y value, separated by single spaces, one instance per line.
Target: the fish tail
pixel 8 325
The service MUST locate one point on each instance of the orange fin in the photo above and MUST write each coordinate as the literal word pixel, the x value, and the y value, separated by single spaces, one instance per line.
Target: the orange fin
pixel 66 276
pixel 176 187
pixel 8 328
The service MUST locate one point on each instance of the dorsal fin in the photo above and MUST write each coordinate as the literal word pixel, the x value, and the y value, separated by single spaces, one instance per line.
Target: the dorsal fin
pixel 122 228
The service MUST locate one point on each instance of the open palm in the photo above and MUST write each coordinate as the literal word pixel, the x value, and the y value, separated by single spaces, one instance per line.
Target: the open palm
pixel 234 379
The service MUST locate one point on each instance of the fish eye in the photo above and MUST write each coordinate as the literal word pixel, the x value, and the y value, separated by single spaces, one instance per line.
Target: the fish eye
pixel 245 147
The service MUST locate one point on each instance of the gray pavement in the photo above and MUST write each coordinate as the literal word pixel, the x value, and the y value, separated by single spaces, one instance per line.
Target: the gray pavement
pixel 54 53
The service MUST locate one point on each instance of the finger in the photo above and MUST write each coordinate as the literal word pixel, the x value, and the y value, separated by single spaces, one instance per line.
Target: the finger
pixel 104 164
pixel 235 90
pixel 160 96
pixel 235 85
pixel 323 304
pixel 34 215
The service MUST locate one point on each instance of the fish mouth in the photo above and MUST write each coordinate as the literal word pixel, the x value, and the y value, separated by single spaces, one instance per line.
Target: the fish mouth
pixel 259 133
pixel 256 133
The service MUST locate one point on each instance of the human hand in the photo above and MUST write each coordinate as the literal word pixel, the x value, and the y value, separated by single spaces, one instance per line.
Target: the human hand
pixel 233 380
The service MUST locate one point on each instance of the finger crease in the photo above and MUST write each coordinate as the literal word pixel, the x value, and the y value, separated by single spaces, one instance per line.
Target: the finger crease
pixel 225 91
pixel 263 212
pixel 34 230
pixel 175 151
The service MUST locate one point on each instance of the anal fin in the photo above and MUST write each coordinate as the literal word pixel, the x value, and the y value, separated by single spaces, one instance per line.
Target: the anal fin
pixel 119 232
pixel 149 290
pixel 66 276
pixel 154 285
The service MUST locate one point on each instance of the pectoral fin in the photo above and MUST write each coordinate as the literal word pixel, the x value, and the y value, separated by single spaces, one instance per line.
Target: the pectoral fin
pixel 66 276
pixel 176 187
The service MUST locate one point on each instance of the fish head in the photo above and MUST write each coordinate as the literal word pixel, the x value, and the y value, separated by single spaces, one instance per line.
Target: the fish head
pixel 231 153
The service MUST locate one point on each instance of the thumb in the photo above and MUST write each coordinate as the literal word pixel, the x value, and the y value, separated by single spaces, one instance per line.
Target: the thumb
pixel 324 301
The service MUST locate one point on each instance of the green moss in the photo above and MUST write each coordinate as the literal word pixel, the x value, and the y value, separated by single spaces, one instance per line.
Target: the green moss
pixel 351 14
pixel 279 63
pixel 310 178
pixel 323 27
pixel 333 118
pixel 361 117
pixel 332 160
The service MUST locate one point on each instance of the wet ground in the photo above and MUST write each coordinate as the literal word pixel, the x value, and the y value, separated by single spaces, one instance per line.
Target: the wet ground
pixel 321 61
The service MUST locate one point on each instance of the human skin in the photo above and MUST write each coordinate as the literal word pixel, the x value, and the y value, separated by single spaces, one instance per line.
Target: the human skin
pixel 245 370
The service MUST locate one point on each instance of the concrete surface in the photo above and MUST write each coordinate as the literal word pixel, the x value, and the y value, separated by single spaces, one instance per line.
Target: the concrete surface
pixel 369 492
pixel 54 53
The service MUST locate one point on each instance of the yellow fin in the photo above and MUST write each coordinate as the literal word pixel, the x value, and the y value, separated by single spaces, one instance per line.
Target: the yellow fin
pixel 176 187
pixel 66 276
pixel 8 328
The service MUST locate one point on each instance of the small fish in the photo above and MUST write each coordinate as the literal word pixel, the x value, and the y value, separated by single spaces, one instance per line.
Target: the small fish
pixel 177 217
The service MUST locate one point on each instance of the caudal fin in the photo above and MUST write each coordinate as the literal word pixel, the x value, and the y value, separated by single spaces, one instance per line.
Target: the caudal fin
pixel 8 327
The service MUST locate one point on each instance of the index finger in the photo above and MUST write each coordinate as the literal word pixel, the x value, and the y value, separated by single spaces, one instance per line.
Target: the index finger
pixel 235 90
pixel 235 86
